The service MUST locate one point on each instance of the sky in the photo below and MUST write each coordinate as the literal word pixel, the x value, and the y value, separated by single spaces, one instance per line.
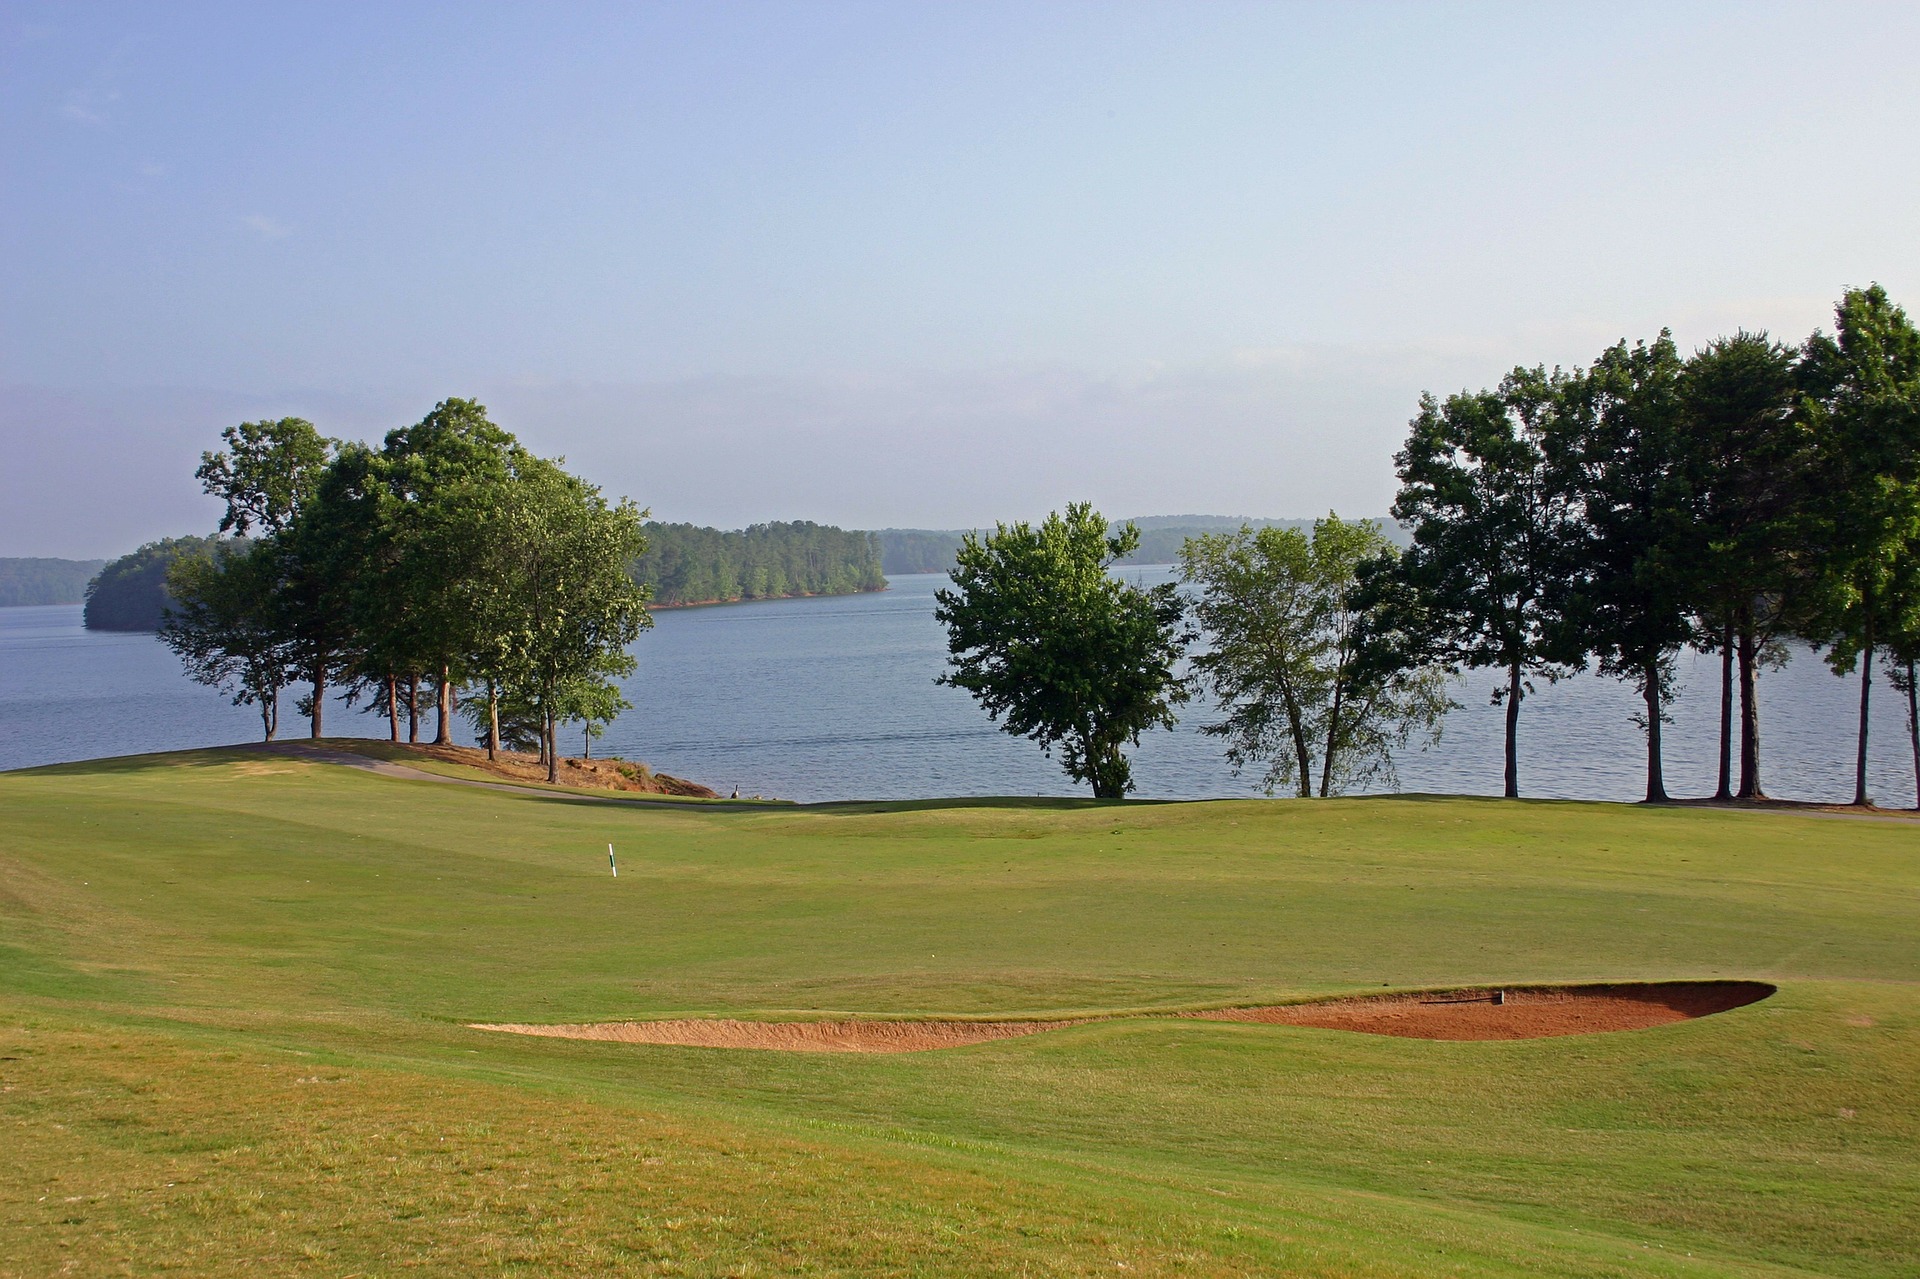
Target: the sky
pixel 909 264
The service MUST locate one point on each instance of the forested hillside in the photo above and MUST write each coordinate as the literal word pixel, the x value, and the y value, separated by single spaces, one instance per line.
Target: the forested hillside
pixel 689 564
pixel 42 581
pixel 130 593
pixel 920 550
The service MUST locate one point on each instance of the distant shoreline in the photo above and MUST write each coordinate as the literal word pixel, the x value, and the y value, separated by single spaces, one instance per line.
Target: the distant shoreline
pixel 653 607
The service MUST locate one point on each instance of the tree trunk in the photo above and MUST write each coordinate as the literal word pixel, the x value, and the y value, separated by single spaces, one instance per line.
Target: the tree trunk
pixel 1305 757
pixel 1913 728
pixel 1724 791
pixel 1749 714
pixel 413 708
pixel 1866 693
pixel 1303 754
pixel 1108 776
pixel 1656 777
pixel 1514 694
pixel 319 694
pixel 586 744
pixel 267 708
pixel 553 753
pixel 493 719
pixel 393 707
pixel 1333 741
pixel 445 735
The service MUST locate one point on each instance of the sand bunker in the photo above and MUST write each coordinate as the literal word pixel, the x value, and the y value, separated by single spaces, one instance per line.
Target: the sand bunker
pixel 1534 1012
pixel 797 1036
pixel 1517 1012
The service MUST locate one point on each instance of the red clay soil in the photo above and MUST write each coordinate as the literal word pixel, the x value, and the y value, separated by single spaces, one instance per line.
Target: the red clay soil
pixel 795 1036
pixel 1520 1013
pixel 599 774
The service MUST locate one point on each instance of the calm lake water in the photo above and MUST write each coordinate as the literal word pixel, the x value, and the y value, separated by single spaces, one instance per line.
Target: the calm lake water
pixel 834 698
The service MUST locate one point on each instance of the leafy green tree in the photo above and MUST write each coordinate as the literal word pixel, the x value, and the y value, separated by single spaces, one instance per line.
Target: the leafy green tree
pixel 266 473
pixel 271 475
pixel 1291 660
pixel 225 629
pixel 444 478
pixel 1481 584
pixel 1058 650
pixel 563 561
pixel 1621 446
pixel 1901 638
pixel 594 703
pixel 1862 407
pixel 1748 459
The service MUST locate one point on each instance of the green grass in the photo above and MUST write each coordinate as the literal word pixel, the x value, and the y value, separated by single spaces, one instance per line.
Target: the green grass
pixel 233 993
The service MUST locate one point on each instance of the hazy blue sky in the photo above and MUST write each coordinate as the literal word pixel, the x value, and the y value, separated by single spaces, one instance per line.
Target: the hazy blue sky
pixel 911 264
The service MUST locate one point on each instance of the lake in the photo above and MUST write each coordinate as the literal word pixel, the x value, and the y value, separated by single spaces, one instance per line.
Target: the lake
pixel 834 698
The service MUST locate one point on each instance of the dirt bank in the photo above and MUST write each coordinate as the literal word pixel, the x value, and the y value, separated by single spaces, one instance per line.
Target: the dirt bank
pixel 598 774
pixel 1531 1012
pixel 1515 1013
pixel 795 1036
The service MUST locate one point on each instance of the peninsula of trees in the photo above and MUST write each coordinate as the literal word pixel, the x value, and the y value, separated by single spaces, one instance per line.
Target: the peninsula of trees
pixel 130 593
pixel 448 560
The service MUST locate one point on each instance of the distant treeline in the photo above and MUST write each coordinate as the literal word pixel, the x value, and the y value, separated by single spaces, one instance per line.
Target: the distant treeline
pixel 688 564
pixel 691 564
pixel 920 550
pixel 34 581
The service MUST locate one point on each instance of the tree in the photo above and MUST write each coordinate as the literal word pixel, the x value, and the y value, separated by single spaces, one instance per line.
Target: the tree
pixel 1481 585
pixel 593 703
pixel 1902 640
pixel 265 474
pixel 1057 650
pixel 1747 455
pixel 564 556
pixel 1862 408
pixel 443 480
pixel 1293 662
pixel 1620 446
pixel 270 475
pixel 224 629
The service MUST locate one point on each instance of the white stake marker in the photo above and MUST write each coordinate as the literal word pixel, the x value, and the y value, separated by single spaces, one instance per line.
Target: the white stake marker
pixel 612 863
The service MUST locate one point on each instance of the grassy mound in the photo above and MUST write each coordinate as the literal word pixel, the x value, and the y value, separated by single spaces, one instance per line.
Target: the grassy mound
pixel 234 992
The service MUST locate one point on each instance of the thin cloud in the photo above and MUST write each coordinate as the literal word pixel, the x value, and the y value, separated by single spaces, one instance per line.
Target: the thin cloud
pixel 265 227
pixel 91 103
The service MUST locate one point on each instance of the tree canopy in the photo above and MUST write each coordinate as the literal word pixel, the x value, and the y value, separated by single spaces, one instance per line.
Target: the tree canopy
pixel 449 554
pixel 1060 651
pixel 1482 584
pixel 1294 658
